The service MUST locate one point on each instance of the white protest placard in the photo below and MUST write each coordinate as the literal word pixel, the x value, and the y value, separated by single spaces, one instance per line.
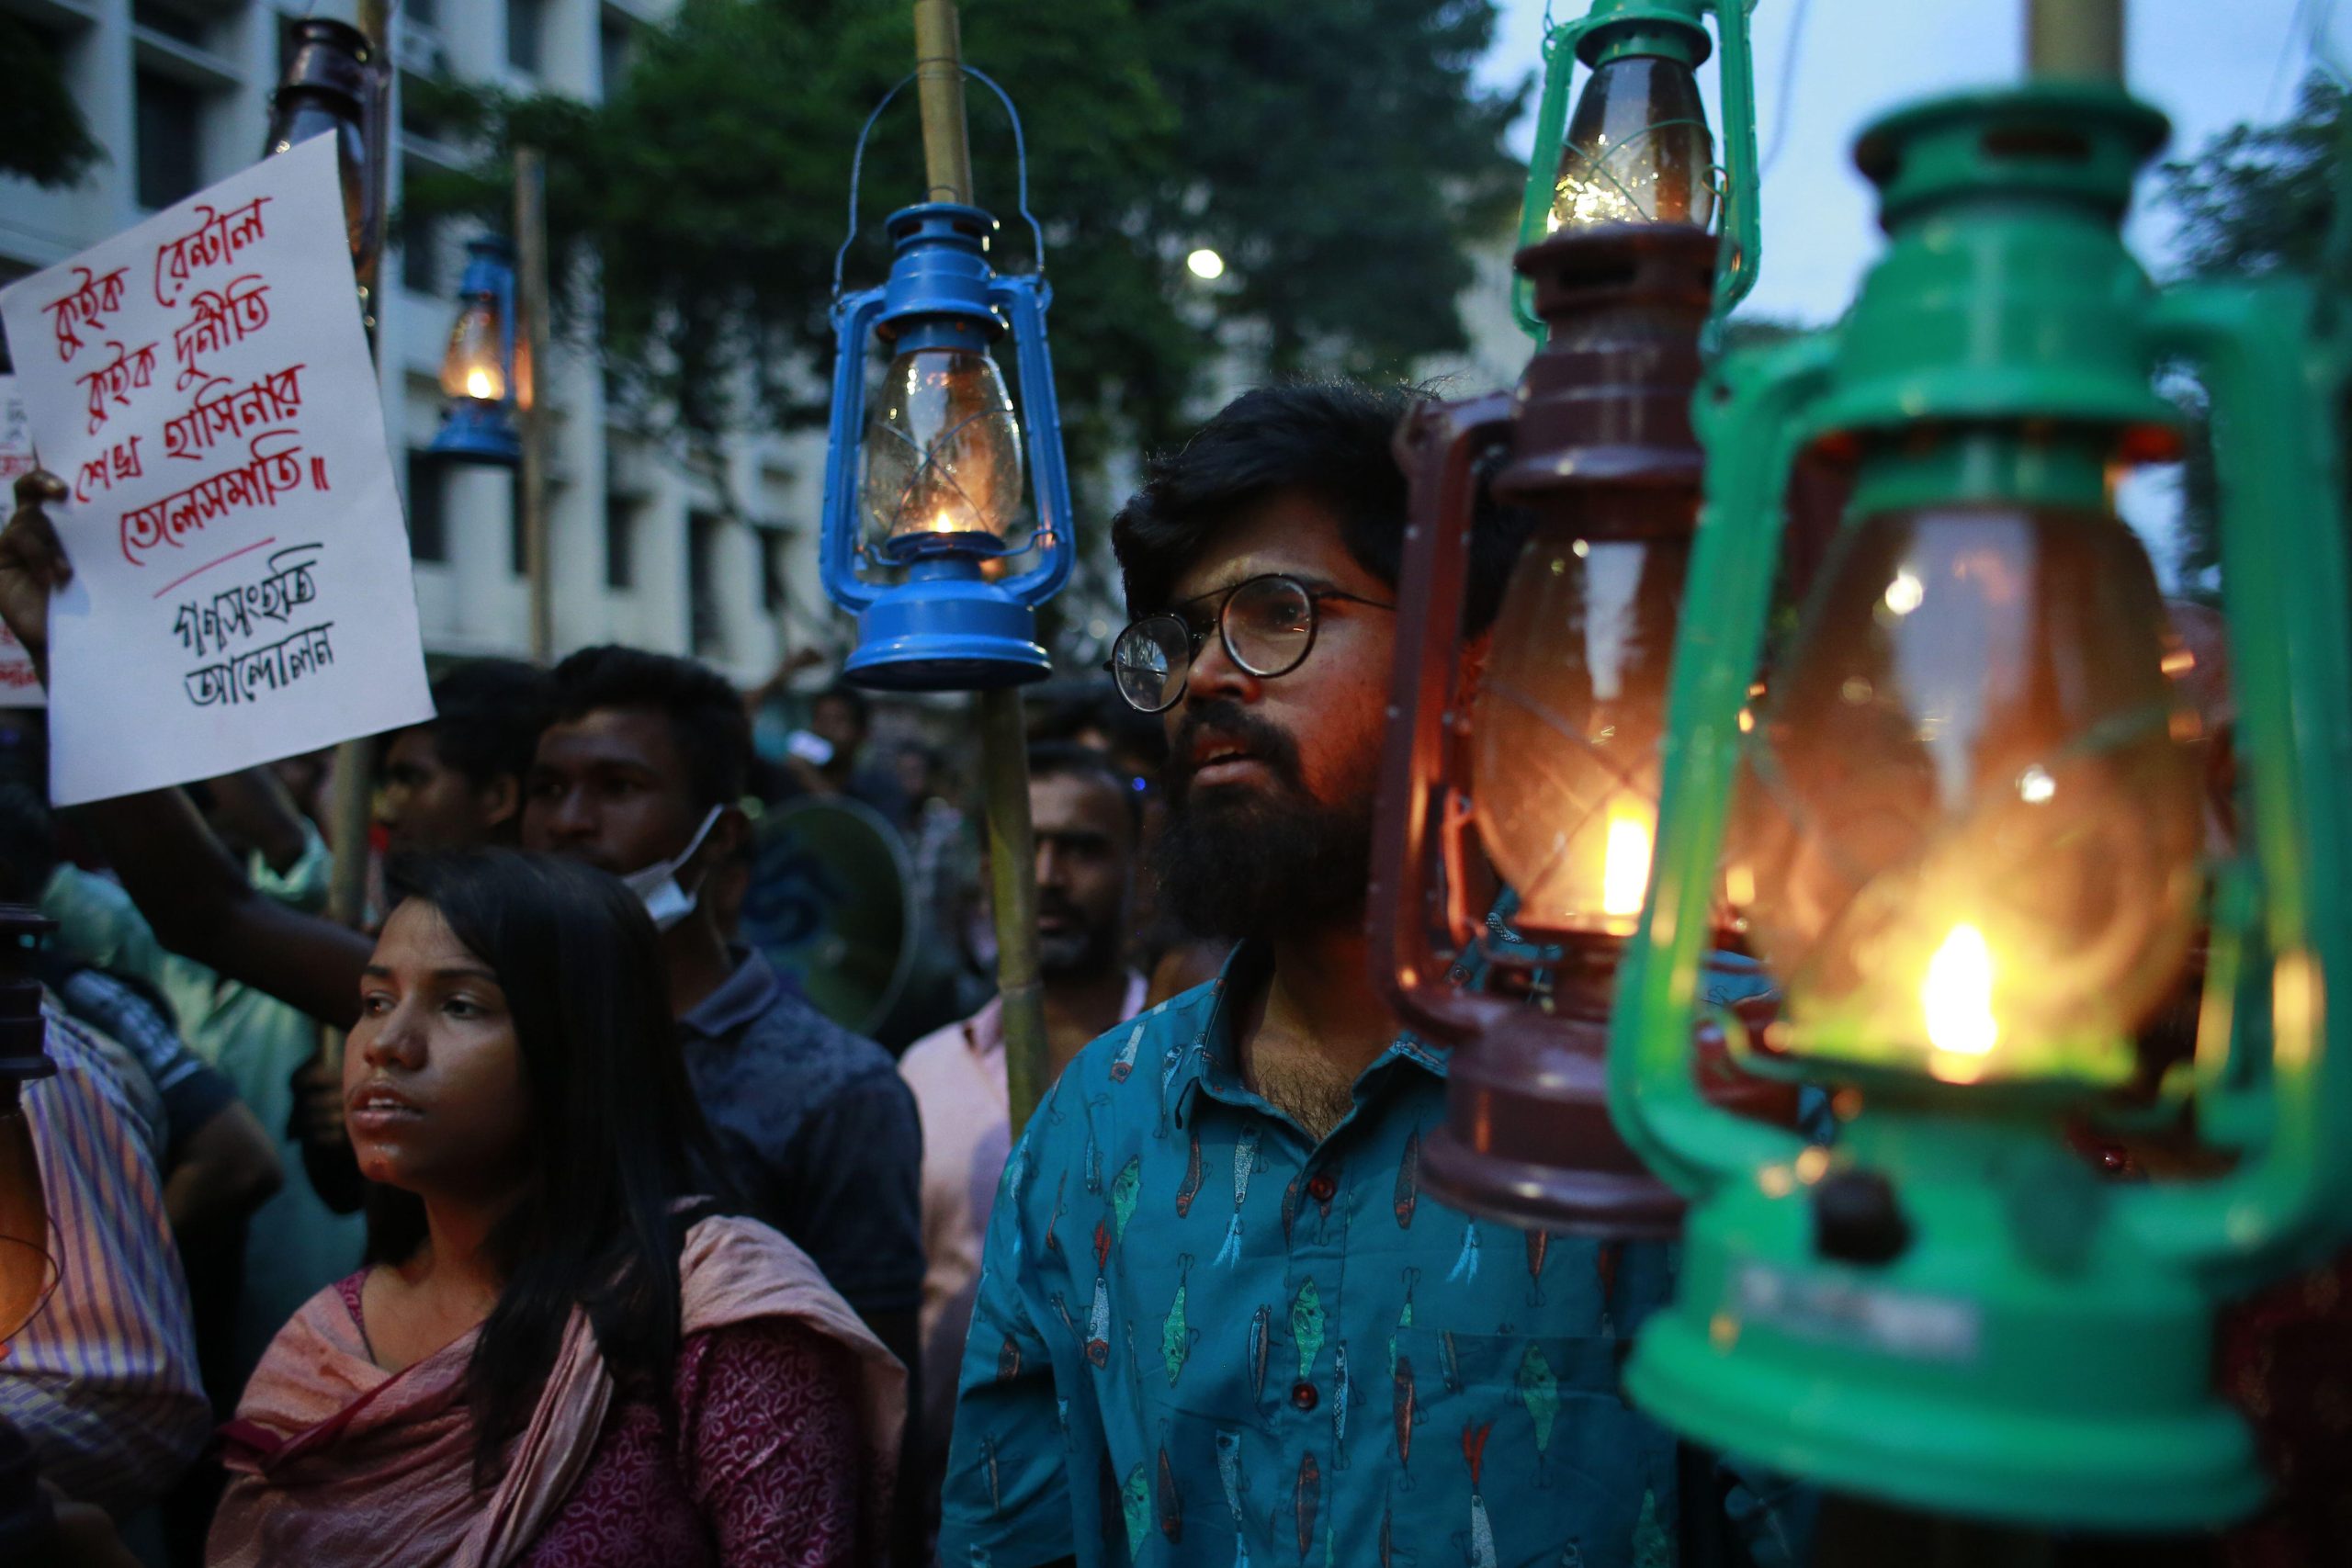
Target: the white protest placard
pixel 19 687
pixel 242 588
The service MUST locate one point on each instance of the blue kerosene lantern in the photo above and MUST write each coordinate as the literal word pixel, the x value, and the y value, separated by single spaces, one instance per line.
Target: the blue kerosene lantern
pixel 479 374
pixel 935 488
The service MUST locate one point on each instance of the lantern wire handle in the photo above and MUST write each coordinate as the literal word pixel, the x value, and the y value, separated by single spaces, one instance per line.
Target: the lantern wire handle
pixel 1021 166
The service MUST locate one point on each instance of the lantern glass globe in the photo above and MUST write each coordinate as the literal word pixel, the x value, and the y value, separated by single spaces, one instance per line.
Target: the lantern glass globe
pixel 1637 150
pixel 1967 829
pixel 943 449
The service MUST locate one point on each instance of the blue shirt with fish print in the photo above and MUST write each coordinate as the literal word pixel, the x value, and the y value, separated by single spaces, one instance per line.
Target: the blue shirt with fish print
pixel 1203 1338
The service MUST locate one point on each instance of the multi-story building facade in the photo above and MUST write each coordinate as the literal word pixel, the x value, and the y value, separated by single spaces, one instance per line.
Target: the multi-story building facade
pixel 712 556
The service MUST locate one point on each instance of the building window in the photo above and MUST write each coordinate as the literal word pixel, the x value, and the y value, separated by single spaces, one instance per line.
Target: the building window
pixel 168 112
pixel 774 543
pixel 519 535
pixel 423 13
pixel 171 22
pixel 526 34
pixel 428 522
pixel 614 36
pixel 703 537
pixel 620 540
pixel 420 251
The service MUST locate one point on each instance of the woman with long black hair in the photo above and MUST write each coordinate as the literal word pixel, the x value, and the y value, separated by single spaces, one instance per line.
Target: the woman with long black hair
pixel 561 1355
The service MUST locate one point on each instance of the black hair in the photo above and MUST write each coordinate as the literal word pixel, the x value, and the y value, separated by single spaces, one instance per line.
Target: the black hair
pixel 28 844
pixel 1331 440
pixel 1065 710
pixel 861 706
pixel 616 1135
pixel 487 717
pixel 1068 759
pixel 705 715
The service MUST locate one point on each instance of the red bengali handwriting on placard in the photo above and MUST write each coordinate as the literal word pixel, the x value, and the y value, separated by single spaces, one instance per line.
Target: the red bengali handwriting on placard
pixel 111 384
pixel 231 412
pixel 214 241
pixel 270 471
pixel 88 305
pixel 218 320
pixel 109 468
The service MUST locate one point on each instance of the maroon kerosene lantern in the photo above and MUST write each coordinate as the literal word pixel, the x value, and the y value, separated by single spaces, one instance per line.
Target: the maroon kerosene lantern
pixel 1544 771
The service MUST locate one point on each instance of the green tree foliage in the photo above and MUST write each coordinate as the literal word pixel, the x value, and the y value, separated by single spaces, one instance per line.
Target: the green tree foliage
pixel 2255 199
pixel 43 137
pixel 1335 151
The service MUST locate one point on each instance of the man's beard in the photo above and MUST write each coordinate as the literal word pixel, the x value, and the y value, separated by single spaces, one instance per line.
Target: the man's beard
pixel 1242 862
pixel 1078 951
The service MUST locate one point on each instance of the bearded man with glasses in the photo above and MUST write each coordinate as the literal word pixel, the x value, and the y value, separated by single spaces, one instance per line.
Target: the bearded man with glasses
pixel 1214 1306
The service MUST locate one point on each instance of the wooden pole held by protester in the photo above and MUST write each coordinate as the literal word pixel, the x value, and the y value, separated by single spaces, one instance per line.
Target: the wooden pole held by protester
pixel 2077 40
pixel 1004 746
pixel 531 305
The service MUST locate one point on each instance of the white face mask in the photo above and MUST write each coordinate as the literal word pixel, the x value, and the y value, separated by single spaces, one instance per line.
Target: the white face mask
pixel 656 885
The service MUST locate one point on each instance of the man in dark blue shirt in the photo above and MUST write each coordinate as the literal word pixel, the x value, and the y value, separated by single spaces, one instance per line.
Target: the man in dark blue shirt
pixel 639 774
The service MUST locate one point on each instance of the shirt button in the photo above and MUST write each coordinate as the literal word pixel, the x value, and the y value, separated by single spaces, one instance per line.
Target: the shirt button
pixel 1320 1188
pixel 1303 1396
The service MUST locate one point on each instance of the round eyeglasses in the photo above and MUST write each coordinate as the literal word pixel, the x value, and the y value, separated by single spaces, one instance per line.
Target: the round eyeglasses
pixel 1267 624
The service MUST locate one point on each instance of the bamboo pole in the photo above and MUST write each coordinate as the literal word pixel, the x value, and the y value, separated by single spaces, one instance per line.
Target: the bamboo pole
pixel 351 809
pixel 2080 40
pixel 1005 747
pixel 531 305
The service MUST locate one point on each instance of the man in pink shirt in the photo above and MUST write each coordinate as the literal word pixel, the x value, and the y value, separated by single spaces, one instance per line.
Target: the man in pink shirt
pixel 1087 816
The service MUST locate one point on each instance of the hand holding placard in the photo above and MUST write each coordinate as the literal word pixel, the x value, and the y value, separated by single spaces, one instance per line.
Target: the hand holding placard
pixel 239 586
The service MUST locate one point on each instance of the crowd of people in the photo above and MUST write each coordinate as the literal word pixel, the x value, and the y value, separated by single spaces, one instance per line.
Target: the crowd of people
pixel 595 1243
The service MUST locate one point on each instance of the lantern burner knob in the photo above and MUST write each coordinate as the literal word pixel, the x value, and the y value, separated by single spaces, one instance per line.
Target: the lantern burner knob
pixel 1856 1219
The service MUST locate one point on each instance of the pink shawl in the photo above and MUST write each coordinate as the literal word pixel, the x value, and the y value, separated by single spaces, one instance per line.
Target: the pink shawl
pixel 333 1460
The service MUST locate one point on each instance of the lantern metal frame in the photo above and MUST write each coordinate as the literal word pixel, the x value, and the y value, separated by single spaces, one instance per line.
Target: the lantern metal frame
pixel 1949 1310
pixel 335 68
pixel 1674 29
pixel 1599 416
pixel 482 429
pixel 946 626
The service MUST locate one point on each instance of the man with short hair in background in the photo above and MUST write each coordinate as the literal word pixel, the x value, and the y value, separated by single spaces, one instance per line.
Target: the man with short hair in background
pixel 1087 818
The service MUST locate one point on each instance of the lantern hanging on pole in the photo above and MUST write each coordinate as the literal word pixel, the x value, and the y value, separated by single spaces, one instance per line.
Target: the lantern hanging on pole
pixel 1637 148
pixel 1545 766
pixel 27 1272
pixel 1964 833
pixel 930 488
pixel 481 376
pixel 333 86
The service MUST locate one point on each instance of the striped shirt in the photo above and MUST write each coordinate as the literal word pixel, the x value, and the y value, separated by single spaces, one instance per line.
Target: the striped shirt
pixel 102 1381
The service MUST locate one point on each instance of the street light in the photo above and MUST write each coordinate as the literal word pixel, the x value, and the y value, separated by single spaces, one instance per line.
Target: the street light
pixel 28 1273
pixel 1638 149
pixel 932 493
pixel 480 374
pixel 1962 830
pixel 1548 762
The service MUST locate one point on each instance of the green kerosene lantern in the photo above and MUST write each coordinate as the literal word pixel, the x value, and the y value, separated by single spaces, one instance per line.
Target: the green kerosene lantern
pixel 1961 826
pixel 1638 149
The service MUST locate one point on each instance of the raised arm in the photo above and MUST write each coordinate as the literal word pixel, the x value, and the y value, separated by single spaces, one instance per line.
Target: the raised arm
pixel 192 893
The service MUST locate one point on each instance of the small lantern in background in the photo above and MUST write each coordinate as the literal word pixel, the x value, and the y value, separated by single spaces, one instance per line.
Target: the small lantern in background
pixel 1637 148
pixel 933 491
pixel 1963 829
pixel 28 1273
pixel 1549 762
pixel 481 375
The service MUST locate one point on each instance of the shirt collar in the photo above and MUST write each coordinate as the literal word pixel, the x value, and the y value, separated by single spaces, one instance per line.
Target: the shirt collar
pixel 984 1031
pixel 1210 1059
pixel 749 991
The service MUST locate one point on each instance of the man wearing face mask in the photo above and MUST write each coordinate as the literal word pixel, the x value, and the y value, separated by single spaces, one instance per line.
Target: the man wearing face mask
pixel 637 774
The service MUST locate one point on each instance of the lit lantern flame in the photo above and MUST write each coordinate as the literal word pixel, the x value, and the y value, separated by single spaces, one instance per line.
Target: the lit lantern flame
pixel 1626 871
pixel 479 385
pixel 1957 995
